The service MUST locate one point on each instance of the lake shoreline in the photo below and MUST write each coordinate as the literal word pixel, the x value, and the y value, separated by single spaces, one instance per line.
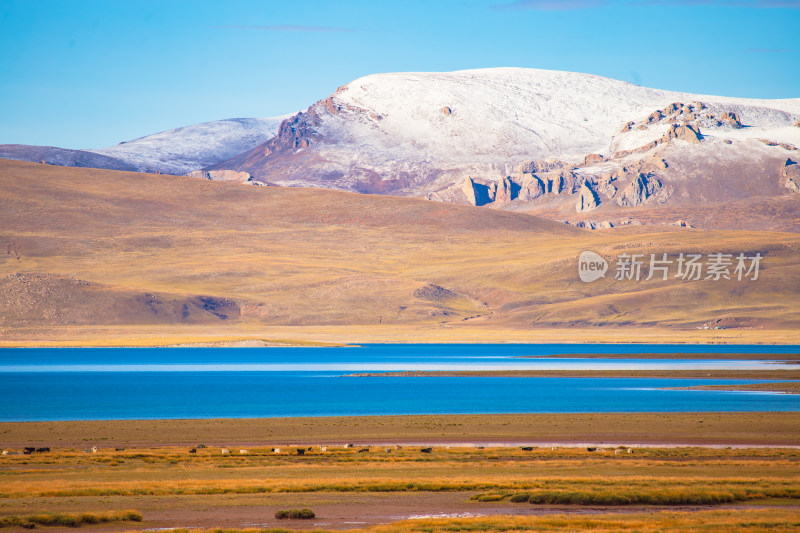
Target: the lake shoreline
pixel 246 334
pixel 717 429
pixel 594 373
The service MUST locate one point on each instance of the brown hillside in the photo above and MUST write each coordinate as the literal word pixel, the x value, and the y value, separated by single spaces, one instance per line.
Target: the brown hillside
pixel 310 257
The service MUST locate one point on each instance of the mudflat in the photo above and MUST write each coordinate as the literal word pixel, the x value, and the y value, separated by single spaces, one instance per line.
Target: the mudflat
pixel 753 428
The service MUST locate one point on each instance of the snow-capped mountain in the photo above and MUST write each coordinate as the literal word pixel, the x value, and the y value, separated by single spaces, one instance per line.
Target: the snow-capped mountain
pixel 176 151
pixel 574 147
pixel 181 150
pixel 557 143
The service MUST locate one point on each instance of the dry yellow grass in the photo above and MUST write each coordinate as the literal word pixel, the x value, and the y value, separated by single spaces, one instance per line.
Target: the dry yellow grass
pixel 655 428
pixel 324 266
pixel 661 473
pixel 163 481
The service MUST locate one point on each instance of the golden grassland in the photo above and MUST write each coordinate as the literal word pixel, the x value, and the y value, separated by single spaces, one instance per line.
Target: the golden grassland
pixel 69 519
pixel 62 479
pixel 754 428
pixel 674 476
pixel 317 266
pixel 170 486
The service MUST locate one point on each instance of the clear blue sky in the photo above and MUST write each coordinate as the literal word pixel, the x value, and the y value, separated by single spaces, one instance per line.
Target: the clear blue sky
pixel 88 74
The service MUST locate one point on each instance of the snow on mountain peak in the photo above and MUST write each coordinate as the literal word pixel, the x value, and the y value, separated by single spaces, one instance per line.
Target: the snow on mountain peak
pixel 489 114
pixel 181 150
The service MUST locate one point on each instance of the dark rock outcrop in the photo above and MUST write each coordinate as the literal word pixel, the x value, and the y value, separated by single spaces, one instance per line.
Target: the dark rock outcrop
pixel 587 199
pixel 593 159
pixel 790 176
pixel 684 132
pixel 507 190
pixel 531 188
pixel 642 188
pixel 478 193
pixel 732 119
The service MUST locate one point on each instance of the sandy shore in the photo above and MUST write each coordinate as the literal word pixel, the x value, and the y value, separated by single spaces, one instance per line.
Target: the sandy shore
pixel 789 387
pixel 788 374
pixel 754 356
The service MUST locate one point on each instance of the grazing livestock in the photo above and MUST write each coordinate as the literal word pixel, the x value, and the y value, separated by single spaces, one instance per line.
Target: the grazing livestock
pixel 591 449
pixel 225 451
pixel 388 450
pixel 301 451
pixel 323 449
pixel 398 447
pixel 201 446
pixel 363 450
pixel 5 452
pixel 426 450
pixel 243 452
pixel 42 450
pixel 193 450
pixel 118 449
pixel 348 445
pixel 28 450
pixel 527 448
pixel 630 450
pixel 554 448
pixel 276 450
pixel 617 452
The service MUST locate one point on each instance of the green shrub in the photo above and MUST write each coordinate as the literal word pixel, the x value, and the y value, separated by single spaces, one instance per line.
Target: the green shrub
pixel 303 514
pixel 490 497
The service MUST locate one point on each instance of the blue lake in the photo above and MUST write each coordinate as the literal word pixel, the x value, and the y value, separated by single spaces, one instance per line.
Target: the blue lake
pixel 141 383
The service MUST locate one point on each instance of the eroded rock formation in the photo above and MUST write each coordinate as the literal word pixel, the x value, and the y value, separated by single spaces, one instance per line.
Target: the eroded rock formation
pixel 642 188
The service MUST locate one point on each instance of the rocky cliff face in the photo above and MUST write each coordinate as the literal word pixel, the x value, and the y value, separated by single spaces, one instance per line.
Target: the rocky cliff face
pixel 790 175
pixel 639 190
pixel 553 143
pixel 587 199
pixel 556 144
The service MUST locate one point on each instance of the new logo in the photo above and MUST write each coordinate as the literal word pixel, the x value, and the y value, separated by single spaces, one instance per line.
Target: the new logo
pixel 591 267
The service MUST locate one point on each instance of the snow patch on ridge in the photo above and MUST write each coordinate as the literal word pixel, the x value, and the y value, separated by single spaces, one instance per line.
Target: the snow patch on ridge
pixel 181 150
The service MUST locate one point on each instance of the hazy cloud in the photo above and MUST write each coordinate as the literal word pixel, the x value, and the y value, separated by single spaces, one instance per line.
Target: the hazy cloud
pixel 288 27
pixel 553 5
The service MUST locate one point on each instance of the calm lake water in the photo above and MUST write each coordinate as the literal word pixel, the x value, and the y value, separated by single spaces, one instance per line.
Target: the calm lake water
pixel 140 383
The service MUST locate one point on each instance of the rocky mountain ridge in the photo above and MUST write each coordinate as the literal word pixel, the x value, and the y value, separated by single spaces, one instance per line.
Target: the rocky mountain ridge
pixel 574 147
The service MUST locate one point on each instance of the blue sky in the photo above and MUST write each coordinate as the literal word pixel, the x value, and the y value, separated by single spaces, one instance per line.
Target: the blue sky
pixel 88 74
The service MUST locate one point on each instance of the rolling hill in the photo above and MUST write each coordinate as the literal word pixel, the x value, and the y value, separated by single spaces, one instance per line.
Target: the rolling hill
pixel 87 249
pixel 177 151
